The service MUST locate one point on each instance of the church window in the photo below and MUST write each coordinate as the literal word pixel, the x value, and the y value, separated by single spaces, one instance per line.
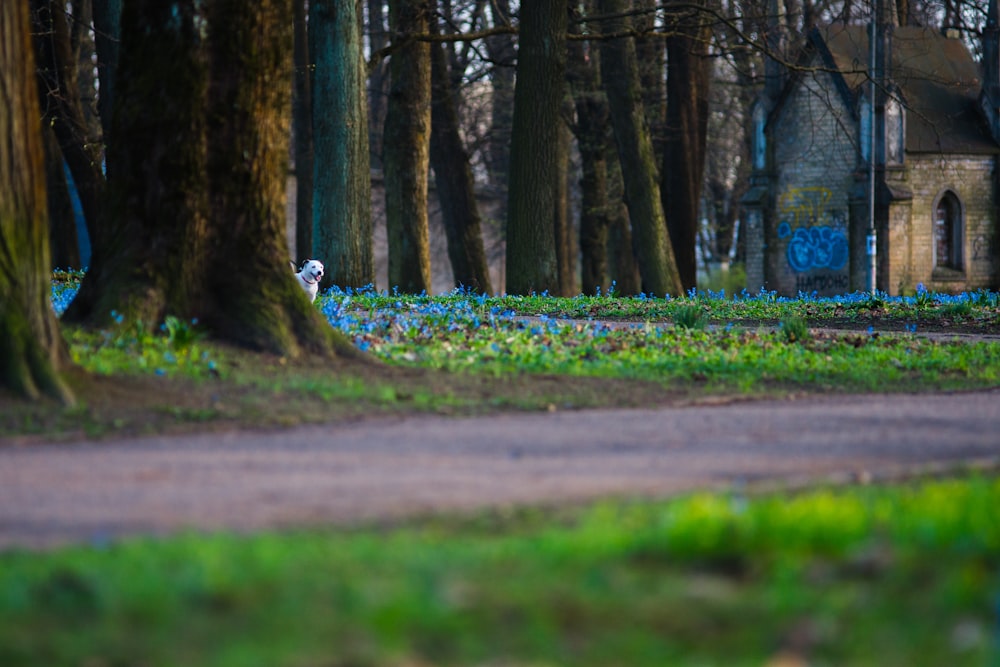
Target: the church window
pixel 948 233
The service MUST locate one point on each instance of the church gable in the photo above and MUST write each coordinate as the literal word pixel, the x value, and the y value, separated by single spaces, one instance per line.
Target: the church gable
pixel 814 138
pixel 809 204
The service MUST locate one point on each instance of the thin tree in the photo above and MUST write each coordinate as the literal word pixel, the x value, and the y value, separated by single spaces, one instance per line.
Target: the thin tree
pixel 201 140
pixel 342 221
pixel 32 351
pixel 378 81
pixel 534 154
pixel 107 37
pixel 591 132
pixel 407 149
pixel 635 150
pixel 455 186
pixel 688 81
pixel 502 52
pixel 58 71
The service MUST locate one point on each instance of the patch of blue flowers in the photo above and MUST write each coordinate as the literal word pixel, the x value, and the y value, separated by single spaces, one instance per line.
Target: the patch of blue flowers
pixel 382 321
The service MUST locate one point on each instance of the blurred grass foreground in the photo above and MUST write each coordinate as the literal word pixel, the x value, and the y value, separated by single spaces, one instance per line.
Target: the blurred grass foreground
pixel 905 574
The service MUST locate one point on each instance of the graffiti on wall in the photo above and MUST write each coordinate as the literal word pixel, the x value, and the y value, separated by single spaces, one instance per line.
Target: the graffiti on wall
pixel 816 236
pixel 983 249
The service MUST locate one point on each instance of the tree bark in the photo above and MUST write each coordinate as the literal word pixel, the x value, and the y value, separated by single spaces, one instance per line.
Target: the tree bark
pixel 302 131
pixel 342 219
pixel 157 208
pixel 455 186
pixel 561 222
pixel 407 149
pixel 534 188
pixel 32 351
pixel 686 134
pixel 635 150
pixel 201 135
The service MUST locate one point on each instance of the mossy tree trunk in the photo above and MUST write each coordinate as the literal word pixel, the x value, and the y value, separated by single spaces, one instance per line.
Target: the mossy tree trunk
pixel 32 351
pixel 455 186
pixel 635 150
pixel 342 220
pixel 406 148
pixel 532 265
pixel 200 139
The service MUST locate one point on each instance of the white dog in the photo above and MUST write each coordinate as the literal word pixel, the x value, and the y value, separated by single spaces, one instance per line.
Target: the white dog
pixel 309 276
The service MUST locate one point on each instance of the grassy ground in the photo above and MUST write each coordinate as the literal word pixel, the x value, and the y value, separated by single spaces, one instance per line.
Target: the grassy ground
pixel 461 353
pixel 904 575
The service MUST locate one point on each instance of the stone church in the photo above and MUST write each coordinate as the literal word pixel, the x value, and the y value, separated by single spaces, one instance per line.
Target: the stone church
pixel 920 138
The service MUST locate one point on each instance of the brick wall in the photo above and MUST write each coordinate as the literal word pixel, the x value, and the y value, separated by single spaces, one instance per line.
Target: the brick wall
pixel 808 243
pixel 971 179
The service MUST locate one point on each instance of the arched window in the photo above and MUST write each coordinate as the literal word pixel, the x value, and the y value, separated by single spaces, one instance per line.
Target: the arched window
pixel 948 233
pixel 759 137
pixel 894 132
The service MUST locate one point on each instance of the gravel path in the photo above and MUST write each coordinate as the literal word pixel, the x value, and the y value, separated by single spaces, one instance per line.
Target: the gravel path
pixel 389 469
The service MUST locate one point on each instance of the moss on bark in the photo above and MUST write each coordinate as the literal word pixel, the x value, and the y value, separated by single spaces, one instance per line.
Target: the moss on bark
pixel 32 352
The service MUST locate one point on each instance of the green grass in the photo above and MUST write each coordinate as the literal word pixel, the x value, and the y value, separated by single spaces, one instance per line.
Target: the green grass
pixel 904 575
pixel 466 353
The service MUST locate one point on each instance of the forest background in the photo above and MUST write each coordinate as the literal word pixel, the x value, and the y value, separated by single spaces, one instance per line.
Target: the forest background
pixel 611 136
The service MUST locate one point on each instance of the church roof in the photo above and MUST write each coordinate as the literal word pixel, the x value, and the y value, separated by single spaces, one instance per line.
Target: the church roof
pixel 935 75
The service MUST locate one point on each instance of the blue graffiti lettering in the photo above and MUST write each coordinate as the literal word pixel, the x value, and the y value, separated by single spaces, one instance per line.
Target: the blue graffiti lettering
pixel 817 248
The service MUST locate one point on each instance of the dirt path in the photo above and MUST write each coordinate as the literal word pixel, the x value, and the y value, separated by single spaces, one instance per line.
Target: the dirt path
pixel 388 469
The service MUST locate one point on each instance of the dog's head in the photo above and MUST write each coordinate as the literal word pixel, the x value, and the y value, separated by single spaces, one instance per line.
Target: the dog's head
pixel 312 270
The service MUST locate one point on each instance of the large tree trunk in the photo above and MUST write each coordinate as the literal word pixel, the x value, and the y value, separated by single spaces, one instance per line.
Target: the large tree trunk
pixel 57 80
pixel 407 149
pixel 534 152
pixel 342 219
pixel 258 305
pixel 686 133
pixel 157 211
pixel 453 177
pixel 201 136
pixel 32 352
pixel 302 131
pixel 635 150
